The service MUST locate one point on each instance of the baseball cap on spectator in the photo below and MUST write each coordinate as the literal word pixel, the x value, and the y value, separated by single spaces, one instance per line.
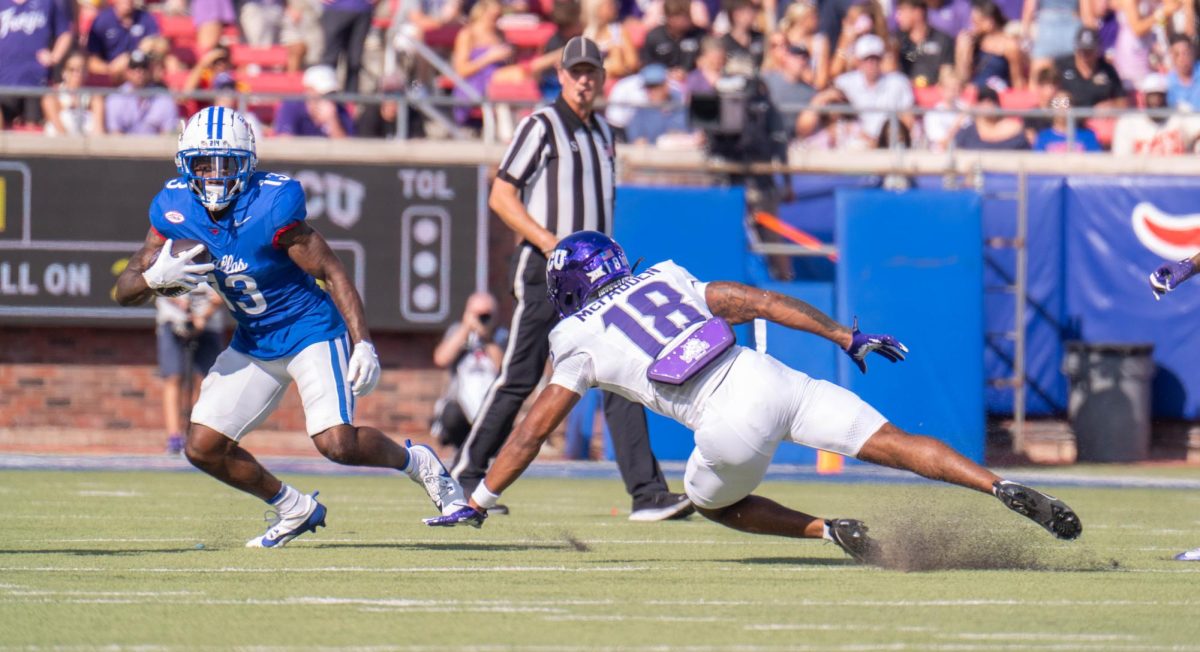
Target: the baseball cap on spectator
pixel 581 49
pixel 139 59
pixel 224 81
pixel 1087 39
pixel 987 94
pixel 654 74
pixel 321 79
pixel 868 45
pixel 1153 83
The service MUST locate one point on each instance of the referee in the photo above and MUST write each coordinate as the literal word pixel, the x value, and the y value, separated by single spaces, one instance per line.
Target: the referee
pixel 555 179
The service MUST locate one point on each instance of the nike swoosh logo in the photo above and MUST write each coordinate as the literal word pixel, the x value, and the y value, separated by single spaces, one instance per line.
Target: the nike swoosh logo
pixel 243 221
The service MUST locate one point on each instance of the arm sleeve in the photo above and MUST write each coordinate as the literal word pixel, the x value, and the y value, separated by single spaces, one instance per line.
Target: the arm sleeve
pixel 524 154
pixel 574 372
pixel 158 220
pixel 62 18
pixel 95 42
pixel 151 24
pixel 288 206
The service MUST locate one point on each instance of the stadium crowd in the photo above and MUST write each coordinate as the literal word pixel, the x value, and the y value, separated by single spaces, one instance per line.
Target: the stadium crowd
pixel 951 72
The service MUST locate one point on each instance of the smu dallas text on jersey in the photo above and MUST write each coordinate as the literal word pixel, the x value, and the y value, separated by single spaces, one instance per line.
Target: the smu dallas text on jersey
pixel 279 307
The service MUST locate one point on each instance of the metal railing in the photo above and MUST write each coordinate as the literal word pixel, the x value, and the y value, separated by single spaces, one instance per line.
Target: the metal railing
pixel 433 107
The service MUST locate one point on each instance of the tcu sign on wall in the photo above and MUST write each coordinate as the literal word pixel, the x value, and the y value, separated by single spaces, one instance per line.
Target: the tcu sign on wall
pixel 409 236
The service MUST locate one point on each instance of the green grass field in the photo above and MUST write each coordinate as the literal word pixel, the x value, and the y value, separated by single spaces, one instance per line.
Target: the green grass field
pixel 154 561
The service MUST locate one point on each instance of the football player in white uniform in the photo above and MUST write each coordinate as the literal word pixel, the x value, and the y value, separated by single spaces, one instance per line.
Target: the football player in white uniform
pixel 662 338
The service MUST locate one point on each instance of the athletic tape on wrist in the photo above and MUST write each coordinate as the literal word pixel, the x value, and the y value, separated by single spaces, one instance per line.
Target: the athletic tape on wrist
pixel 484 497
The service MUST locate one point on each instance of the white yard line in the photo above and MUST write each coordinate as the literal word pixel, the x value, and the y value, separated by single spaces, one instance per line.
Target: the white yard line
pixel 343 569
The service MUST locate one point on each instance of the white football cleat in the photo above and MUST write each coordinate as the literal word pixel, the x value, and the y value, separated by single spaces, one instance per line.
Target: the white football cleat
pixel 286 529
pixel 1191 555
pixel 427 470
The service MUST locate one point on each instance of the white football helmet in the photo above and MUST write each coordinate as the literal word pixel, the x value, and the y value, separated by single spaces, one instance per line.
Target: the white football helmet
pixel 216 155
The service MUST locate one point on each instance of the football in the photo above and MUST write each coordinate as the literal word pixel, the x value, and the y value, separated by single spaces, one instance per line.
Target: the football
pixel 178 247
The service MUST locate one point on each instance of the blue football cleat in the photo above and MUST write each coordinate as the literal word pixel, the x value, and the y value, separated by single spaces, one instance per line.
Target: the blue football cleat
pixel 465 516
pixel 428 471
pixel 286 529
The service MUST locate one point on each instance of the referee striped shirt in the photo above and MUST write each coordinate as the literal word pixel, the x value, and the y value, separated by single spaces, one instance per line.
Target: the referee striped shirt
pixel 564 170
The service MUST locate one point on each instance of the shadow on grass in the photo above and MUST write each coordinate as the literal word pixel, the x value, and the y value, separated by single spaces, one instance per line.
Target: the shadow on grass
pixel 449 546
pixel 98 552
pixel 793 561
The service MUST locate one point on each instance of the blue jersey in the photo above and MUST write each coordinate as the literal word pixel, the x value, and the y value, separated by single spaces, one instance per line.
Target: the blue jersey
pixel 279 307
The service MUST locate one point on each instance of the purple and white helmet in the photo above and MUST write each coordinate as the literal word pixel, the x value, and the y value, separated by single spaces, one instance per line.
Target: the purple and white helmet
pixel 581 264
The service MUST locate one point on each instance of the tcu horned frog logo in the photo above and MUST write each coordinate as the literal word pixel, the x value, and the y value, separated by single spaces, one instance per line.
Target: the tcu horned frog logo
pixel 1173 237
pixel 558 258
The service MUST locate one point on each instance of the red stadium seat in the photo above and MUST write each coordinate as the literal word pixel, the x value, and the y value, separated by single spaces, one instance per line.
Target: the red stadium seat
pixel 443 37
pixel 529 38
pixel 98 81
pixel 525 90
pixel 1018 99
pixel 176 28
pixel 186 53
pixel 175 80
pixel 275 82
pixel 274 57
pixel 927 97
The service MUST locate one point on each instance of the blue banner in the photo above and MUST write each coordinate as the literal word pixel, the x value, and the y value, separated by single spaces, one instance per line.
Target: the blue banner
pixel 1118 231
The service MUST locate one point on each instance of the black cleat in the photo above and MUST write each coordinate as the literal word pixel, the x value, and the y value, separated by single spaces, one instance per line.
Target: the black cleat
pixel 663 507
pixel 851 536
pixel 1043 509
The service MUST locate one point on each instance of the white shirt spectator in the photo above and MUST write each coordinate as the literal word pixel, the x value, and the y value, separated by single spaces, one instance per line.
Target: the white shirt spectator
pixel 1139 134
pixel 891 92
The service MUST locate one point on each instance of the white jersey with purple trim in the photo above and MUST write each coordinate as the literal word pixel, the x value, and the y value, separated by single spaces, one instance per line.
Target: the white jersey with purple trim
pixel 612 341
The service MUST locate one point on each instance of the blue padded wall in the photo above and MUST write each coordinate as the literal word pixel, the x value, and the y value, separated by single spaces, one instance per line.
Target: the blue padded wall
pixel 911 265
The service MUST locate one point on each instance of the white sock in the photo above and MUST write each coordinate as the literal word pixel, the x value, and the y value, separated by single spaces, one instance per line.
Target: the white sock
pixel 825 531
pixel 288 501
pixel 411 468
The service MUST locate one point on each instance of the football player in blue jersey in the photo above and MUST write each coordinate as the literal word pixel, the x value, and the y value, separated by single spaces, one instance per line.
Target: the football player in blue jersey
pixel 266 261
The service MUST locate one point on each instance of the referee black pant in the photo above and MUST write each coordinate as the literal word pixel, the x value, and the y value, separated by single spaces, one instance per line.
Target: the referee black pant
pixel 522 368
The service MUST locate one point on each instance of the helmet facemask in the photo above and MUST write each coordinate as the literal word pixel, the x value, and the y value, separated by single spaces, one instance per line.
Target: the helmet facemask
pixel 216 156
pixel 216 176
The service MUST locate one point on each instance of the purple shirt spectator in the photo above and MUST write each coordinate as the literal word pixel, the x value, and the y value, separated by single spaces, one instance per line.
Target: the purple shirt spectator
pixel 125 113
pixel 951 18
pixel 109 38
pixel 349 6
pixel 25 28
pixel 292 119
pixel 696 82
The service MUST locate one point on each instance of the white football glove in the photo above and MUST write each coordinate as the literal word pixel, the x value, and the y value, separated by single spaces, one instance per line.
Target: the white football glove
pixel 176 271
pixel 363 370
